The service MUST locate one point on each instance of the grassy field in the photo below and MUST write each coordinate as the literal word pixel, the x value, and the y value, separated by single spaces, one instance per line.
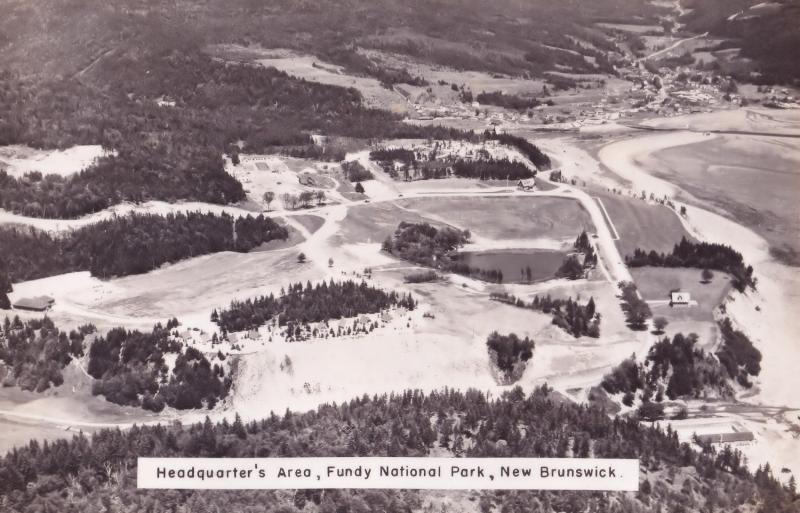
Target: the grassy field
pixel 374 222
pixel 642 225
pixel 312 223
pixel 508 218
pixel 655 283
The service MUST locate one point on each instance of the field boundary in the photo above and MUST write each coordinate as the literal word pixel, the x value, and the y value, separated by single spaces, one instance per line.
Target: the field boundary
pixel 607 218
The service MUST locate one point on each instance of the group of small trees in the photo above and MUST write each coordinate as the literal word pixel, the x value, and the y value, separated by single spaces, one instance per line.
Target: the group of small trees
pixel 572 268
pixel 576 319
pixel 509 354
pixel 34 352
pixel 313 303
pixel 637 311
pixel 303 200
pixel 355 172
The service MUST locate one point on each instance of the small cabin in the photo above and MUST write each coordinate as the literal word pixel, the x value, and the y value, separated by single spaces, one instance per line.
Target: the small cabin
pixel 528 184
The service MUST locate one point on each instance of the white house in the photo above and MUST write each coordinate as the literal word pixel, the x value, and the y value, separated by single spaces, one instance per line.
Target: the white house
pixel 679 298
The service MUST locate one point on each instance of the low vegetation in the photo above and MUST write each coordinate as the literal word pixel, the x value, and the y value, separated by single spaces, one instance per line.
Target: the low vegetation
pixel 299 305
pixel 702 255
pixel 130 369
pixel 34 352
pixel 576 319
pixel 509 355
pixel 88 472
pixel 131 244
pixel 421 277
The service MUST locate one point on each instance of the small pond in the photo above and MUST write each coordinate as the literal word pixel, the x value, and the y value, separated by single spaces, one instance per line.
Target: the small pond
pixel 514 263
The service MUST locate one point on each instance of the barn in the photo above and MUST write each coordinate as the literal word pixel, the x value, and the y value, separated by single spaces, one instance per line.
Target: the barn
pixel 34 304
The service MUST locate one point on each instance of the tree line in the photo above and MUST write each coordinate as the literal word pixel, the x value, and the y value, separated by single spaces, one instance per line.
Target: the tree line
pixel 703 255
pixel 636 309
pixel 416 165
pixel 85 473
pixel 300 305
pixel 579 320
pixel 129 369
pixel 507 101
pixel 131 244
pixel 530 150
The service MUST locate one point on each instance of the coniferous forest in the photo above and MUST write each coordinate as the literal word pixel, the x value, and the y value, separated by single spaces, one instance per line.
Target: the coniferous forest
pixel 88 474
pixel 300 304
pixel 130 369
pixel 34 352
pixel 170 152
pixel 131 244
pixel 678 369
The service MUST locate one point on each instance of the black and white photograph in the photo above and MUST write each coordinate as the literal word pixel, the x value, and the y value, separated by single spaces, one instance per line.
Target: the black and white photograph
pixel 413 256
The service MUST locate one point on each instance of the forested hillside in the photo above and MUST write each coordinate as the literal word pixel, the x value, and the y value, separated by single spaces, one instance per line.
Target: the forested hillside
pixel 764 31
pixel 130 244
pixel 505 36
pixel 84 475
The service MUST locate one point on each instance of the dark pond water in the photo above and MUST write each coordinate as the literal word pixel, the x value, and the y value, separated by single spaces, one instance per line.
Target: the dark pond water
pixel 513 263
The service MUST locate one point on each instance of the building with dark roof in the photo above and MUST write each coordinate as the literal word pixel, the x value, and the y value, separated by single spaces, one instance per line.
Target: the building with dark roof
pixel 34 304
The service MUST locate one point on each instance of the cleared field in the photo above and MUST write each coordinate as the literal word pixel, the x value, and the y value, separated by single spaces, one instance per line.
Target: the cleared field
pixel 374 222
pixel 655 284
pixel 642 225
pixel 508 217
pixel 16 160
pixel 753 180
